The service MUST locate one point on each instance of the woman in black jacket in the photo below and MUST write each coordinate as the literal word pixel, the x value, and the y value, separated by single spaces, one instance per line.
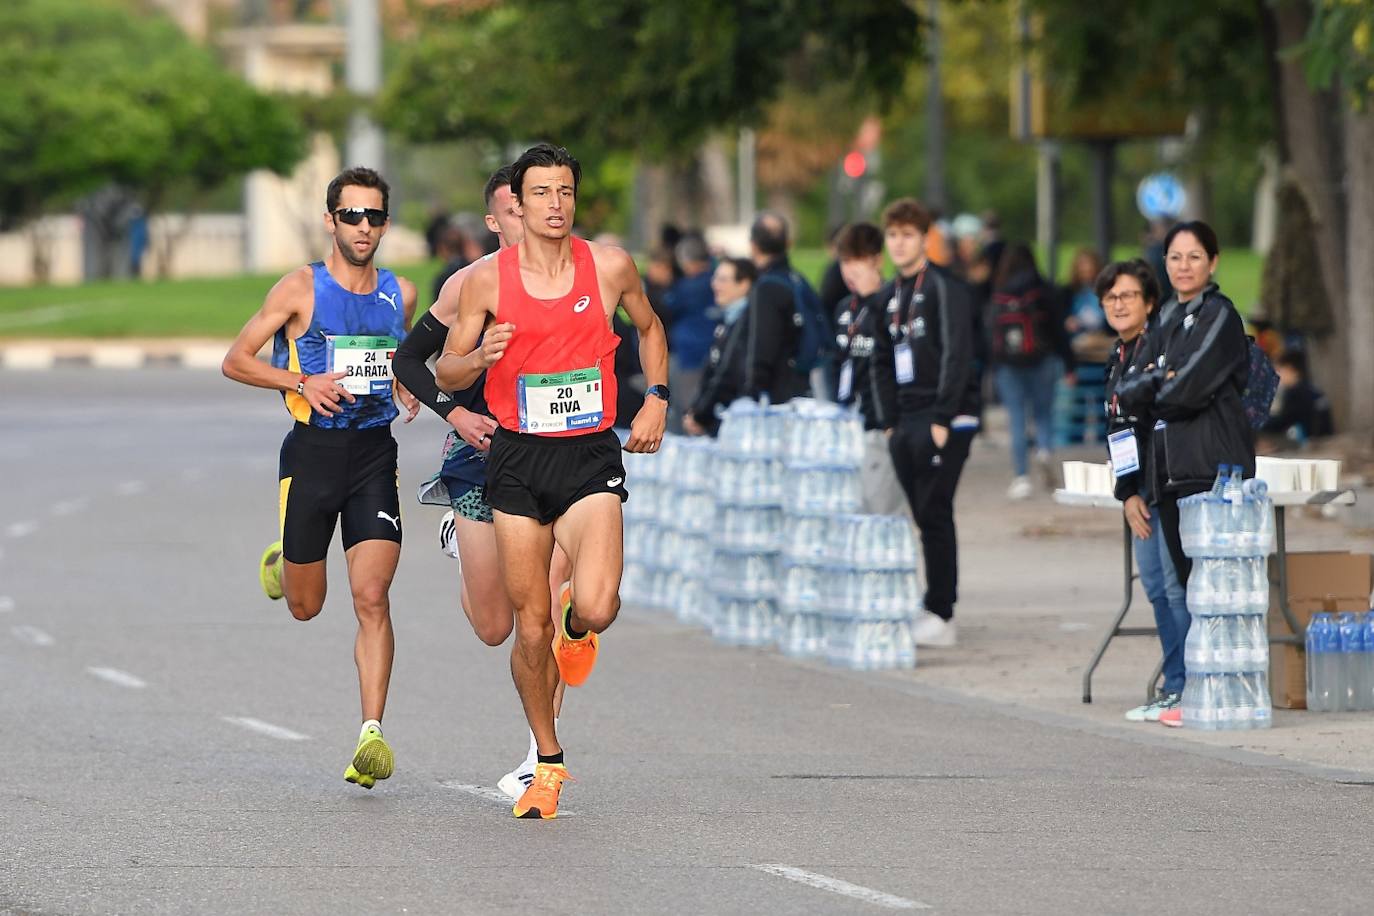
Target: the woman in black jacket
pixel 723 378
pixel 1194 371
pixel 1129 293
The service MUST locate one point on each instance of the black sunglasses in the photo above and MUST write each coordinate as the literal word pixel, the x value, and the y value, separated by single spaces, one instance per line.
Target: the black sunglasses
pixel 352 216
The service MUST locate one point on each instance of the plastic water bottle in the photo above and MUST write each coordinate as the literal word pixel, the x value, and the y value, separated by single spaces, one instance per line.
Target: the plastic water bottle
pixel 1366 698
pixel 1321 643
pixel 1264 708
pixel 1348 668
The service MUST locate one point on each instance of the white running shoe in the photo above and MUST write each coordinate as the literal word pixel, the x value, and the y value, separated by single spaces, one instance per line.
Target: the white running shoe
pixel 448 535
pixel 517 780
pixel 1021 488
pixel 933 630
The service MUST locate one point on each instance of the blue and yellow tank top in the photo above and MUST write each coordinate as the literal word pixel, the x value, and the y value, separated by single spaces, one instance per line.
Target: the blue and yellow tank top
pixel 340 314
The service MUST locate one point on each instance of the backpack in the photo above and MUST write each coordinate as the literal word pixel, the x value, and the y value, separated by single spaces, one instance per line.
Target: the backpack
pixel 1261 384
pixel 1019 328
pixel 816 339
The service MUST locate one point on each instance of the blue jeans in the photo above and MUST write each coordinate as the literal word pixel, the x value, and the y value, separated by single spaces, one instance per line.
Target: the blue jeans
pixel 1019 386
pixel 1169 598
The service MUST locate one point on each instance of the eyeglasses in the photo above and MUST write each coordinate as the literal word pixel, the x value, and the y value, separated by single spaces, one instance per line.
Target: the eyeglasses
pixel 352 216
pixel 1125 297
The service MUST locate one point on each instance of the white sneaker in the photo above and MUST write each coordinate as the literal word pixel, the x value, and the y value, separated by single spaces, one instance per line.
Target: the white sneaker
pixel 934 631
pixel 448 535
pixel 1020 488
pixel 517 780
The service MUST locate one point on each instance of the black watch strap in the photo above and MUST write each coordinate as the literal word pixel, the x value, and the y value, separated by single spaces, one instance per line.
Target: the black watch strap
pixel 658 391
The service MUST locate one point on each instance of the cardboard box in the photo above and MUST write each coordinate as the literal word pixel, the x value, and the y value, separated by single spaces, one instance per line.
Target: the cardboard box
pixel 1330 581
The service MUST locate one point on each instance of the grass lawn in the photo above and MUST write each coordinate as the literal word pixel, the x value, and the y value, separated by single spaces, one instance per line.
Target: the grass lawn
pixel 217 308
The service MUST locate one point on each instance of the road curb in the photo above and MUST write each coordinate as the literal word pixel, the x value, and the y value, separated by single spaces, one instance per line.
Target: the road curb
pixel 40 356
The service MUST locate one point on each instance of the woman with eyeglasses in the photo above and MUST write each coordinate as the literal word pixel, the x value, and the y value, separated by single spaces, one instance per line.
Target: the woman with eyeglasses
pixel 1195 368
pixel 1129 293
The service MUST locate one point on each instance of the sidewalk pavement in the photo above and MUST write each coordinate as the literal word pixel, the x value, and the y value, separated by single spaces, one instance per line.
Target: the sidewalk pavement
pixel 1040 584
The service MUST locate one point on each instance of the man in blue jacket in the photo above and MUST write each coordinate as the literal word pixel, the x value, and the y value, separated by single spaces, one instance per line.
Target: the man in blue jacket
pixel 692 317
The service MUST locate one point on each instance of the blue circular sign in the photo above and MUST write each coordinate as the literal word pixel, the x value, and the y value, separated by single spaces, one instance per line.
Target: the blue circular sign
pixel 1160 195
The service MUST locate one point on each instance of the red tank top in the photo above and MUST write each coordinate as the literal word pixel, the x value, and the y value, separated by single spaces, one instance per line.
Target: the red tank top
pixel 560 362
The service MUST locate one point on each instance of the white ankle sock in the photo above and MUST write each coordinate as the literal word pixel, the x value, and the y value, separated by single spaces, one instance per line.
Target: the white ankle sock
pixel 532 757
pixel 371 723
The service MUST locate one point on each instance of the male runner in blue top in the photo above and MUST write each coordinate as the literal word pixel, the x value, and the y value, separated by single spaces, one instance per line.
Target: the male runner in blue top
pixel 334 326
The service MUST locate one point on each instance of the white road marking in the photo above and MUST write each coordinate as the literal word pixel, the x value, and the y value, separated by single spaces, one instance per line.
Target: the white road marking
pixel 21 529
pixel 132 487
pixel 115 676
pixel 6 604
pixel 266 728
pixel 844 888
pixel 495 795
pixel 69 506
pixel 33 636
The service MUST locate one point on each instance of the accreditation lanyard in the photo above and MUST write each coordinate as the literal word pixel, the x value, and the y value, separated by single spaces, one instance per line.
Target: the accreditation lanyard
pixel 845 386
pixel 903 356
pixel 903 318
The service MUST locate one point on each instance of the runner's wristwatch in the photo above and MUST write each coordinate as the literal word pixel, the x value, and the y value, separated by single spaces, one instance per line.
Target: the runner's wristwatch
pixel 658 391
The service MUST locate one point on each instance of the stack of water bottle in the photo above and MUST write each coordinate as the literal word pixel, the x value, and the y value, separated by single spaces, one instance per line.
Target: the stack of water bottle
pixel 1340 662
pixel 669 525
pixel 849 580
pixel 1227 531
pixel 645 580
pixel 748 475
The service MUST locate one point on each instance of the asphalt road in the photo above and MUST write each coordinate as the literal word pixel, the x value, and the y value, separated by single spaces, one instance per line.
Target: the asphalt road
pixel 174 742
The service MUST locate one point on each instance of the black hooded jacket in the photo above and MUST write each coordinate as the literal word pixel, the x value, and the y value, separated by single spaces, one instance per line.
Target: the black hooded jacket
pixel 1197 366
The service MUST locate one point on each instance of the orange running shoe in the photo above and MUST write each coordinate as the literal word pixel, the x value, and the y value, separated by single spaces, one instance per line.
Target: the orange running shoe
pixel 575 657
pixel 541 798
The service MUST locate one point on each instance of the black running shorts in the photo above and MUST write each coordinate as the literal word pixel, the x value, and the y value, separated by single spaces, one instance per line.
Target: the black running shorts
pixel 541 476
pixel 331 473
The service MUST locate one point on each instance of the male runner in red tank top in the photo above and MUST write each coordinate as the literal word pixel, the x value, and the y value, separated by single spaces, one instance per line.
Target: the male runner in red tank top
pixel 554 472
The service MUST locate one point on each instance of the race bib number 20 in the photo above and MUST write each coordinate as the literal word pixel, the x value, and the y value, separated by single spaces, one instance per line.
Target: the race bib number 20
pixel 561 401
pixel 367 360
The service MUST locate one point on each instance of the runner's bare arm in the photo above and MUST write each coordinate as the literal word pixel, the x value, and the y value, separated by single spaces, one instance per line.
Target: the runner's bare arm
pixel 410 404
pixel 646 431
pixel 285 301
pixel 462 360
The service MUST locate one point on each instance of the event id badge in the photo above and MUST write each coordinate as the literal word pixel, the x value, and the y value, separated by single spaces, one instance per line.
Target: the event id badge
pixel 846 385
pixel 906 363
pixel 1125 454
pixel 560 401
pixel 367 360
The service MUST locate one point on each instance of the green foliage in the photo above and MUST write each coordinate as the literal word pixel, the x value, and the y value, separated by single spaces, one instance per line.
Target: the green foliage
pixel 1213 54
pixel 101 94
pixel 1338 47
pixel 631 74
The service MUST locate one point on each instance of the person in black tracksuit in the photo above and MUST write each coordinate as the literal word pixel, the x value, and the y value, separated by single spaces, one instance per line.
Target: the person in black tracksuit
pixel 928 388
pixel 857 321
pixel 1196 368
pixel 772 334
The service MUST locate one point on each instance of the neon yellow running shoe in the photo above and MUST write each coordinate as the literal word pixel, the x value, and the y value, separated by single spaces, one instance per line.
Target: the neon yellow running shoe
pixel 371 761
pixel 269 570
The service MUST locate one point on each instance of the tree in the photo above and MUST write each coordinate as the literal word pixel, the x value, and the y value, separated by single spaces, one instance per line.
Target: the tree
pixel 656 77
pixel 1294 73
pixel 106 93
